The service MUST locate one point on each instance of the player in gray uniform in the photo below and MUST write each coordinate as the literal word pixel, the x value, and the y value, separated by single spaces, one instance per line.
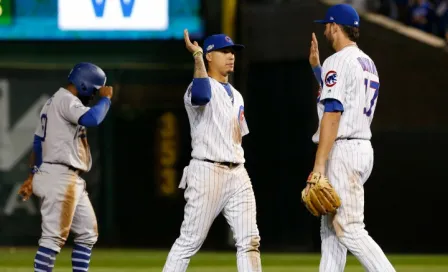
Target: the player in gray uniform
pixel 60 154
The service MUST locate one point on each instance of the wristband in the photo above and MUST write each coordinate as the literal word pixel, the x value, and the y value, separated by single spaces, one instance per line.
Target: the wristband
pixel 318 74
pixel 197 52
pixel 34 170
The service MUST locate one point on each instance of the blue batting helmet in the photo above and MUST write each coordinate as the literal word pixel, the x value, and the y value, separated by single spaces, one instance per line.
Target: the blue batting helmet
pixel 87 78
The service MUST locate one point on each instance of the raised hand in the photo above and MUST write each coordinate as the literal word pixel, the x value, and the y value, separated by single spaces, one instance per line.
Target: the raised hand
pixel 192 47
pixel 314 52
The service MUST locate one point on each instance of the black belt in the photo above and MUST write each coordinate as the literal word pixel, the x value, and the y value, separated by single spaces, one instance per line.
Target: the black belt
pixel 351 139
pixel 228 164
pixel 76 170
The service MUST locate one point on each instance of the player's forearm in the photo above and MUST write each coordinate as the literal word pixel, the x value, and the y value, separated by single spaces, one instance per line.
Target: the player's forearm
pixel 199 67
pixel 36 154
pixel 32 163
pixel 328 132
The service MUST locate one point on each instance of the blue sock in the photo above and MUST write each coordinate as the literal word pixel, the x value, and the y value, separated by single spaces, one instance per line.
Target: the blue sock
pixel 81 258
pixel 44 260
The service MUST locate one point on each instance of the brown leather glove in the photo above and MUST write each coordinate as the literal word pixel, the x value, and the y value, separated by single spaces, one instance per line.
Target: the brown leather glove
pixel 320 198
pixel 26 190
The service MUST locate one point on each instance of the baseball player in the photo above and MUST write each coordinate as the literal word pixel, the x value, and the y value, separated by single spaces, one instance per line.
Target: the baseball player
pixel 216 180
pixel 60 155
pixel 346 105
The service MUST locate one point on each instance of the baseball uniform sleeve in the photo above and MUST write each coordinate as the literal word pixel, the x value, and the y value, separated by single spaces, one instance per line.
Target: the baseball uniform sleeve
pixel 188 98
pixel 201 91
pixel 242 121
pixel 241 116
pixel 42 123
pixel 72 109
pixel 333 105
pixel 41 126
pixel 335 72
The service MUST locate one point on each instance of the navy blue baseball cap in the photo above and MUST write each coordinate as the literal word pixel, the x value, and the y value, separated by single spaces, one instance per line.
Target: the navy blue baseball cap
pixel 219 41
pixel 341 14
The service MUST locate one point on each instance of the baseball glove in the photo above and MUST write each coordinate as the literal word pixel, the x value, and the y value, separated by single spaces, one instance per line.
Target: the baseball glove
pixel 26 190
pixel 321 198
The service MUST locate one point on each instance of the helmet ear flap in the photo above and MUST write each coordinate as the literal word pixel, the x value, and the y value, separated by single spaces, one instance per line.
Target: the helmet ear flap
pixel 86 76
pixel 82 88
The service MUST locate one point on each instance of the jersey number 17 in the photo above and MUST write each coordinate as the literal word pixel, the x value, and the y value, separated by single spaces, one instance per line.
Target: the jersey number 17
pixel 371 85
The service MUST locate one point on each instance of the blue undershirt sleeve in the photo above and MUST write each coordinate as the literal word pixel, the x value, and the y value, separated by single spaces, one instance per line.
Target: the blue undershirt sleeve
pixel 96 114
pixel 201 91
pixel 333 105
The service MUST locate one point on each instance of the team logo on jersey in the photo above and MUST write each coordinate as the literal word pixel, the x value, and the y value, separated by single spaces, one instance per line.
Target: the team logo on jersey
pixel 331 78
pixel 241 115
pixel 242 121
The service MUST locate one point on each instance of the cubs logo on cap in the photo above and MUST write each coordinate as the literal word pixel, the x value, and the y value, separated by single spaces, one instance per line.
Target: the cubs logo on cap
pixel 219 41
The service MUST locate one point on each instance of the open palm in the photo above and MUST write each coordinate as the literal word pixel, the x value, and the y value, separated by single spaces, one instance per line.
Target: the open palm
pixel 314 52
pixel 192 47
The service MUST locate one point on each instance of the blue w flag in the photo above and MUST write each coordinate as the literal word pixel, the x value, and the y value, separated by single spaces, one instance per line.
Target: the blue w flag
pixel 126 7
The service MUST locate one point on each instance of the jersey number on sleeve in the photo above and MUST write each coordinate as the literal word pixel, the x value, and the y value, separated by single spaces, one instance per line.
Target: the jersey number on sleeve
pixel 43 121
pixel 376 87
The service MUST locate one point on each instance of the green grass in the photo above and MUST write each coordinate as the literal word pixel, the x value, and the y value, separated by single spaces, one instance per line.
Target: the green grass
pixel 21 260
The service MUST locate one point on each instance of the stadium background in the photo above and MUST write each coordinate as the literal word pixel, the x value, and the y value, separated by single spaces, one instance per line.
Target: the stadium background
pixel 141 148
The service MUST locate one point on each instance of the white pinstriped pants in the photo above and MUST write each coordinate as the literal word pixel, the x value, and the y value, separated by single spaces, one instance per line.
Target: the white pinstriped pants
pixel 348 168
pixel 213 189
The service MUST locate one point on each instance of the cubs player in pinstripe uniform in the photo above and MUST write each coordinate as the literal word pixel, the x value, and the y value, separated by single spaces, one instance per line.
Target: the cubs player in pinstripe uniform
pixel 346 105
pixel 216 180
pixel 60 154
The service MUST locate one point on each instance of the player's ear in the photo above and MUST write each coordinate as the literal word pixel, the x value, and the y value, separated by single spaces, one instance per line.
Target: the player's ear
pixel 333 28
pixel 208 56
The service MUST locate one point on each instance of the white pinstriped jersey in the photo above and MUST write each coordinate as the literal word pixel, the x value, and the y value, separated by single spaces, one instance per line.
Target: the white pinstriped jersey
pixel 217 128
pixel 351 77
pixel 64 141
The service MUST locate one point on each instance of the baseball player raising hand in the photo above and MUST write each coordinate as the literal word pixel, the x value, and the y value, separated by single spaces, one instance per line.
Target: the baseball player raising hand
pixel 216 180
pixel 60 154
pixel 346 105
